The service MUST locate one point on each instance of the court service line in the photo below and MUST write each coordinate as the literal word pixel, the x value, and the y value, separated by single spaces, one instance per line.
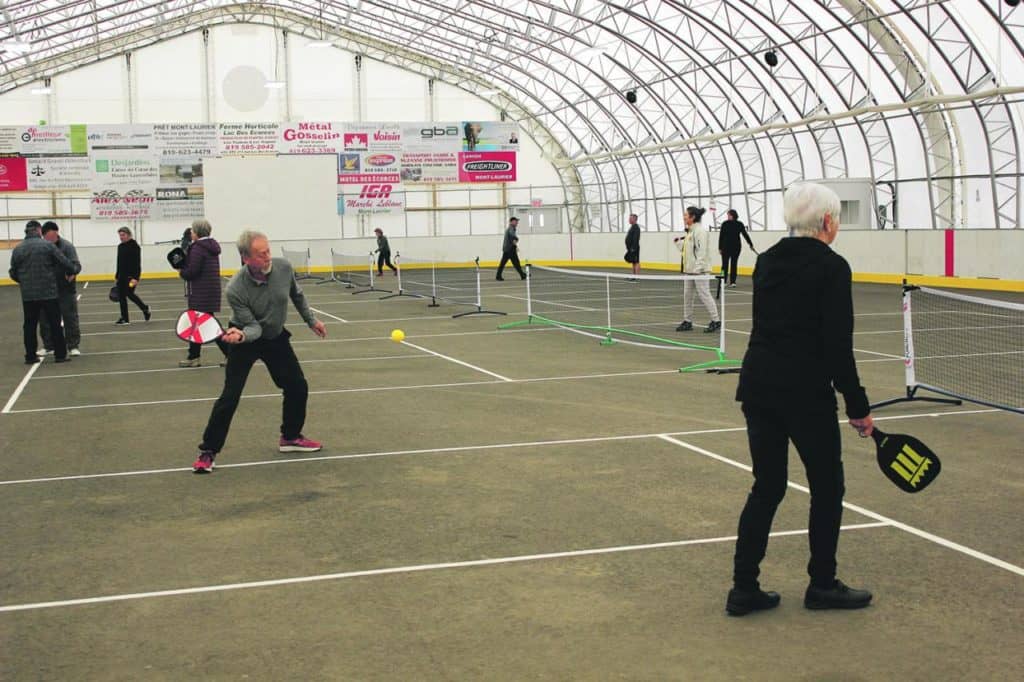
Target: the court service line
pixel 21 387
pixel 949 544
pixel 415 568
pixel 333 317
pixel 457 362
pixel 453 448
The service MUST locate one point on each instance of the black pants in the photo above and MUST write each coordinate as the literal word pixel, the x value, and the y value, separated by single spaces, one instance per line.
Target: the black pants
pixel 67 300
pixel 33 311
pixel 815 433
pixel 384 258
pixel 284 368
pixel 126 292
pixel 196 349
pixel 507 256
pixel 729 260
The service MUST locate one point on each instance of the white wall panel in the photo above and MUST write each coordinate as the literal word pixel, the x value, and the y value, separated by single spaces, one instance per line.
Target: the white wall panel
pixel 169 78
pixel 320 82
pixel 91 94
pixel 237 50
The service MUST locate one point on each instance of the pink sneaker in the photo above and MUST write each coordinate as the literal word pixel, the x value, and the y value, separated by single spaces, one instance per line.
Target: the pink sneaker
pixel 300 444
pixel 204 464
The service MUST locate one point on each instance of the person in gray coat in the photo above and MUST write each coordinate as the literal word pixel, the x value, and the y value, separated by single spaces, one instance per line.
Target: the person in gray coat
pixel 35 265
pixel 67 294
pixel 201 273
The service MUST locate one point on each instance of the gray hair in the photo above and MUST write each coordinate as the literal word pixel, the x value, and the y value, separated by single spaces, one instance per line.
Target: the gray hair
pixel 804 207
pixel 245 241
pixel 202 228
pixel 125 230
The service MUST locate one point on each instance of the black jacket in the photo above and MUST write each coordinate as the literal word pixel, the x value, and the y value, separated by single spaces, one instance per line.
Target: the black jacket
pixel 129 260
pixel 801 345
pixel 729 237
pixel 633 238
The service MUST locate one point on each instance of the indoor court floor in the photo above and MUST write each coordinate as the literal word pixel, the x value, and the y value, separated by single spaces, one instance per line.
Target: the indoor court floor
pixel 489 504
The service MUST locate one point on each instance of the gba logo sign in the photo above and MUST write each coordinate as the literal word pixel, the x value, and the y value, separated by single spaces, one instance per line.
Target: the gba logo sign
pixel 486 166
pixel 439 131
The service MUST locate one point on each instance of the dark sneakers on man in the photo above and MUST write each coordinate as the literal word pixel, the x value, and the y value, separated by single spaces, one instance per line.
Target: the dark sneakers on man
pixel 32 359
pixel 714 326
pixel 122 321
pixel 839 596
pixel 741 602
pixel 146 314
pixel 499 278
pixel 685 326
pixel 300 444
pixel 204 463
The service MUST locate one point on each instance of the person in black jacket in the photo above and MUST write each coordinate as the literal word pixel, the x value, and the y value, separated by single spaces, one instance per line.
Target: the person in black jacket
pixel 800 353
pixel 383 252
pixel 729 245
pixel 510 250
pixel 633 245
pixel 35 266
pixel 129 270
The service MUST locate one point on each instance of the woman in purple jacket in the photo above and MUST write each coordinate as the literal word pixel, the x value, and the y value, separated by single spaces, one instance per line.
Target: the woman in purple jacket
pixel 201 273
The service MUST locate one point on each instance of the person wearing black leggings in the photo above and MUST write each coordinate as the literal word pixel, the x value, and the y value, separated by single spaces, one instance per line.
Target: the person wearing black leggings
pixel 129 270
pixel 729 246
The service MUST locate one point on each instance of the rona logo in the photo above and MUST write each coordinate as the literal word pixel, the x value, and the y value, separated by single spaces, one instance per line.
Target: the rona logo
pixel 375 192
pixel 438 131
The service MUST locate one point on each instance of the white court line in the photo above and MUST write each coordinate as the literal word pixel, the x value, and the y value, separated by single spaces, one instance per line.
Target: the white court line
pixel 21 387
pixel 454 448
pixel 859 350
pixel 457 362
pixel 86 286
pixel 415 568
pixel 949 544
pixel 333 317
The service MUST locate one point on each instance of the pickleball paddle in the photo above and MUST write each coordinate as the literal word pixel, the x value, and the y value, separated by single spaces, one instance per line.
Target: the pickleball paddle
pixel 907 462
pixel 197 327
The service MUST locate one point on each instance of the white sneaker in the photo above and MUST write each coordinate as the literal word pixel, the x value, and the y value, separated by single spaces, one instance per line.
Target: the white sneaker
pixel 42 352
pixel 74 351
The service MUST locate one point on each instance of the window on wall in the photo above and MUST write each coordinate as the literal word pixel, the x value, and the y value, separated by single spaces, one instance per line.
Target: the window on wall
pixel 849 213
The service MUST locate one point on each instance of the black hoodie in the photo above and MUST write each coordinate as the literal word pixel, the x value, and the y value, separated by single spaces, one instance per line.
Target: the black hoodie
pixel 801 345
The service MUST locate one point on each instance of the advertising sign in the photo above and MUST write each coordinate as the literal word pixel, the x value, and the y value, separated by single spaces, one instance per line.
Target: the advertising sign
pixel 125 169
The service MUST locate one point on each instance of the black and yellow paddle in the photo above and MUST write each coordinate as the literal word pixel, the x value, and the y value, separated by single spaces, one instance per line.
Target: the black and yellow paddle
pixel 906 461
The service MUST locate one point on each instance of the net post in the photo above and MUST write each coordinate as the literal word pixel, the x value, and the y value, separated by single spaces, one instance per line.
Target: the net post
pixel 398 264
pixel 721 318
pixel 371 269
pixel 529 298
pixel 608 340
pixel 479 294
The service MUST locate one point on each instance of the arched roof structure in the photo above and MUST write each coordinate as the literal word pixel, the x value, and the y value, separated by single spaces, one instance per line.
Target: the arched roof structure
pixel 920 97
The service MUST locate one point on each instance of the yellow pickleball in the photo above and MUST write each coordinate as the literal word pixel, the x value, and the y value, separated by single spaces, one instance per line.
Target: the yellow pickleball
pixel 397 335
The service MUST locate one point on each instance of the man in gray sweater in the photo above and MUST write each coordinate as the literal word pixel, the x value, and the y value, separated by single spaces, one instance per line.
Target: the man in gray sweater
pixel 258 295
pixel 35 265
pixel 67 295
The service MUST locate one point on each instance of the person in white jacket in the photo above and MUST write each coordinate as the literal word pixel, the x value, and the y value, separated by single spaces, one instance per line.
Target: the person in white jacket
pixel 696 260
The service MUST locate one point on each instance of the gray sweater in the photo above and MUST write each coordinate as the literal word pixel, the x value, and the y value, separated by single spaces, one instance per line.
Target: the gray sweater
pixel 35 265
pixel 71 253
pixel 259 309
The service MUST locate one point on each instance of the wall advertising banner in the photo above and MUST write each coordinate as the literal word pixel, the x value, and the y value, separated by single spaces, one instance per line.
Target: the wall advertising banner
pixel 487 166
pixel 125 169
pixel 480 136
pixel 180 150
pixel 310 138
pixel 246 139
pixel 53 140
pixel 430 152
pixel 47 173
pixel 10 142
pixel 12 174
pixel 370 153
pixel 373 199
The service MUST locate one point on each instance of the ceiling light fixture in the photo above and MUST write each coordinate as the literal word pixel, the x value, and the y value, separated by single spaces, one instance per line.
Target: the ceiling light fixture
pixel 275 85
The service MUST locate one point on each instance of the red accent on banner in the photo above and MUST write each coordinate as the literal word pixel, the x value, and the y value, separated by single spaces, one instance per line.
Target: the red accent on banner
pixel 950 269
pixel 13 174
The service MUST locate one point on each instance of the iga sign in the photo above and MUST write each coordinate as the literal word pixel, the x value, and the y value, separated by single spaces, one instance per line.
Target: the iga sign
pixel 375 199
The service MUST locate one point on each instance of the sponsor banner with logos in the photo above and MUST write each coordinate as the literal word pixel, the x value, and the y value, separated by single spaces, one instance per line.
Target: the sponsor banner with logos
pixel 247 139
pixel 310 137
pixel 53 140
pixel 489 136
pixel 12 174
pixel 372 199
pixel 487 166
pixel 370 153
pixel 47 173
pixel 10 142
pixel 430 151
pixel 125 169
pixel 181 148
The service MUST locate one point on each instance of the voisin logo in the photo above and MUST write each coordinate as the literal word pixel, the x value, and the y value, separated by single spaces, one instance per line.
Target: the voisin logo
pixel 486 166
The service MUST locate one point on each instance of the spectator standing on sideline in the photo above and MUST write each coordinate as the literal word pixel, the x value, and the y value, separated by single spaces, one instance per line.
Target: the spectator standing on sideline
pixel 258 295
pixel 35 266
pixel 129 270
pixel 729 245
pixel 383 252
pixel 67 295
pixel 800 353
pixel 633 245
pixel 510 250
pixel 696 260
pixel 201 273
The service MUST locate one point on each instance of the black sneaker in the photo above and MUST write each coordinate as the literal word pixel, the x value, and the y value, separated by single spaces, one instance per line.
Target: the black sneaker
pixel 685 326
pixel 66 358
pixel 839 596
pixel 32 359
pixel 500 278
pixel 713 327
pixel 741 602
pixel 146 314
pixel 122 321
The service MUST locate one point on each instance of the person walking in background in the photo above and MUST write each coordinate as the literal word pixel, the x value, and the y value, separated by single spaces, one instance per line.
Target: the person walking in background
pixel 258 295
pixel 633 245
pixel 35 266
pixel 383 252
pixel 729 245
pixel 129 270
pixel 696 260
pixel 67 295
pixel 510 250
pixel 201 273
pixel 800 353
